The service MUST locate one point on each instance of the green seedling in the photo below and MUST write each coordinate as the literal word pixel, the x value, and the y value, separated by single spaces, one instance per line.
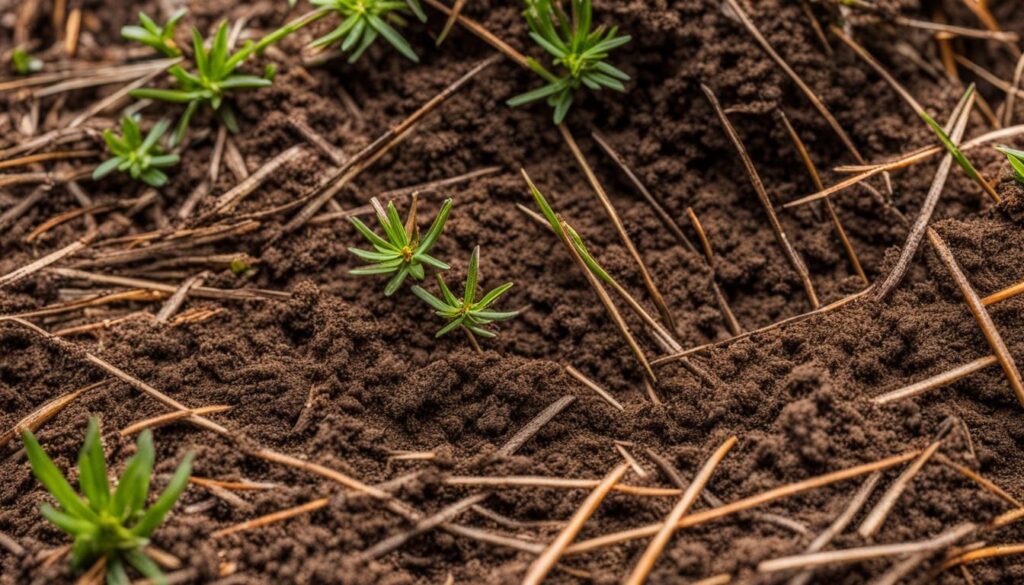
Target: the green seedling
pixel 113 525
pixel 23 64
pixel 214 81
pixel 579 51
pixel 159 38
pixel 403 253
pixel 365 20
pixel 142 158
pixel 1016 158
pixel 947 142
pixel 468 312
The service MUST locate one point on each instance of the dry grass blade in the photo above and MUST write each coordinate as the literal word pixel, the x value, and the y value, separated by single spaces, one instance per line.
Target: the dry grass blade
pixel 1004 294
pixel 988 552
pixel 816 101
pixel 170 417
pixel 620 229
pixel 594 386
pixel 178 297
pixel 233 485
pixel 812 170
pixel 514 481
pixel 854 555
pixel 924 216
pixel 780 234
pixel 668 527
pixel 272 518
pixel 113 73
pixel 199 291
pixel 937 381
pixel 447 514
pixel 66 217
pixel 979 479
pixel 607 302
pixel 838 525
pixel 762 498
pixel 543 564
pixel 46 156
pixel 995 340
pixel 44 413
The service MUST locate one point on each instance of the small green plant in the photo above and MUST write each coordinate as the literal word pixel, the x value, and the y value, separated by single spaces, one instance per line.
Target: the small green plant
pixel 159 38
pixel 578 50
pixel 403 253
pixel 948 143
pixel 1016 158
pixel 115 525
pixel 22 63
pixel 468 312
pixel 141 158
pixel 214 80
pixel 365 20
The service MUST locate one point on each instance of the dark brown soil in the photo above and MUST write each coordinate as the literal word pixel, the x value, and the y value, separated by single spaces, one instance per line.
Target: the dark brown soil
pixel 344 377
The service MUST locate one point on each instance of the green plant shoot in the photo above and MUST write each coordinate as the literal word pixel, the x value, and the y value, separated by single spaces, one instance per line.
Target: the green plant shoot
pixel 159 38
pixel 214 81
pixel 403 253
pixel 22 63
pixel 469 311
pixel 365 20
pixel 579 51
pixel 115 524
pixel 142 158
pixel 954 151
pixel 1016 158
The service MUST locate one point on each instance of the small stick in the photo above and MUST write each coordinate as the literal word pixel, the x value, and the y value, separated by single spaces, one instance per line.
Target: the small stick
pixel 668 527
pixel 744 504
pixel 719 579
pixel 102 324
pixel 838 525
pixel 11 545
pixel 594 386
pixel 988 76
pixel 234 160
pixel 47 156
pixel 730 318
pixel 979 479
pixel 66 217
pixel 854 555
pixel 12 215
pixel 981 315
pixel 44 413
pixel 543 564
pixel 937 381
pixel 170 417
pixel 812 170
pixel 229 200
pixel 513 523
pixel 94 576
pixel 780 234
pixel 515 481
pixel 816 101
pixel 129 71
pixel 924 216
pixel 112 99
pixel 1004 294
pixel 198 291
pixel 606 301
pixel 453 17
pixel 613 215
pixel 877 516
pixel 92 301
pixel 535 425
pixel 989 552
pixel 314 138
pixel 1011 92
pixel 633 463
pixel 218 153
pixel 175 301
pixel 272 518
pixel 820 311
pixel 959 31
pixel 233 485
pixel 444 516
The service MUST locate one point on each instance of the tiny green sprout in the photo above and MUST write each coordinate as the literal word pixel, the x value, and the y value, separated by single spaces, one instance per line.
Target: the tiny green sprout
pixel 115 525
pixel 214 80
pixel 365 20
pixel 578 50
pixel 1016 158
pixel 22 63
pixel 140 157
pixel 159 38
pixel 239 266
pixel 468 312
pixel 403 253
pixel 948 143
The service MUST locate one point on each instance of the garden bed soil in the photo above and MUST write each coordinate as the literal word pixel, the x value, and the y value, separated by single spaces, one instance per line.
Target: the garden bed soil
pixel 345 377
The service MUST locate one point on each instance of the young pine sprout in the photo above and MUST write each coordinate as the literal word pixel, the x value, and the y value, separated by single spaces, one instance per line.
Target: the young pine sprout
pixel 22 63
pixel 113 525
pixel 467 312
pixel 141 158
pixel 578 50
pixel 159 38
pixel 215 79
pixel 1016 158
pixel 364 20
pixel 403 252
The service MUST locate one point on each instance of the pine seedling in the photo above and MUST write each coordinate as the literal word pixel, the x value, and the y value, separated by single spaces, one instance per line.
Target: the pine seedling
pixel 214 81
pixel 159 38
pixel 142 158
pixel 468 312
pixel 403 253
pixel 113 525
pixel 579 51
pixel 1016 158
pixel 22 63
pixel 365 20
